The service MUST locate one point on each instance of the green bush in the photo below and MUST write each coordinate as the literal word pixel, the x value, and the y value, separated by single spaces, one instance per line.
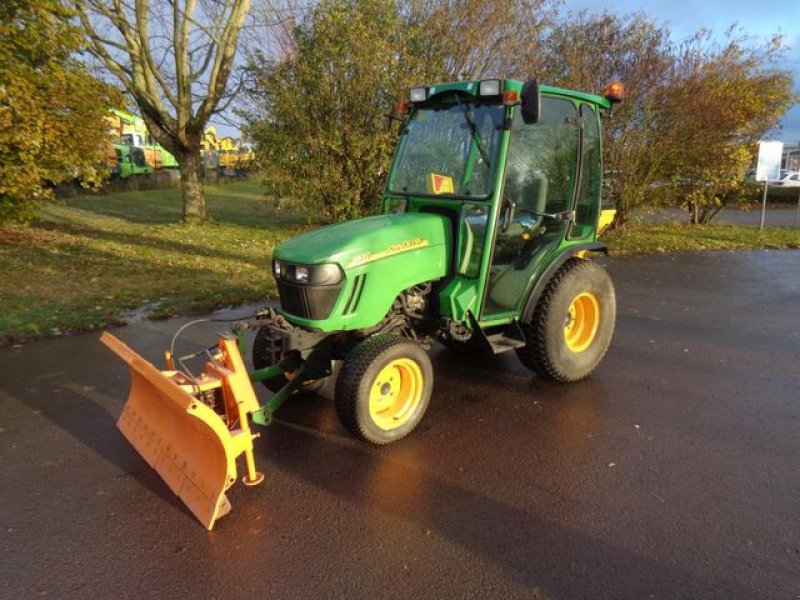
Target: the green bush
pixel 776 194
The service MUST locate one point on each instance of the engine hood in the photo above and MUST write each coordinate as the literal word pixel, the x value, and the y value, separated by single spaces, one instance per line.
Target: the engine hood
pixel 355 243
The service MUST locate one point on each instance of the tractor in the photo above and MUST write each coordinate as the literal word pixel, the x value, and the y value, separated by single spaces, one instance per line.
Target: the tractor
pixel 491 212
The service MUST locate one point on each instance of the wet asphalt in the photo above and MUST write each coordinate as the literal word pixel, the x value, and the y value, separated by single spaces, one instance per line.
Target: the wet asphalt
pixel 672 472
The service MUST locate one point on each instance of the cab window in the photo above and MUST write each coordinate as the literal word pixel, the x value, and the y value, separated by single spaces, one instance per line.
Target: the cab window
pixel 540 169
pixel 588 201
pixel 540 179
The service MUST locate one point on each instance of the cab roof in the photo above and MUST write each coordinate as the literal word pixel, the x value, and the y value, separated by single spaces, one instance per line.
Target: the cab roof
pixel 471 87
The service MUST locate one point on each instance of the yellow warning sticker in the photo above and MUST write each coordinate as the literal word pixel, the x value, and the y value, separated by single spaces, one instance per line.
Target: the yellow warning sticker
pixel 440 184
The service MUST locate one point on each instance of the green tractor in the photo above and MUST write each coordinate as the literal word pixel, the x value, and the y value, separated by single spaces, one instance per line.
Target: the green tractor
pixel 129 161
pixel 491 210
pixel 492 204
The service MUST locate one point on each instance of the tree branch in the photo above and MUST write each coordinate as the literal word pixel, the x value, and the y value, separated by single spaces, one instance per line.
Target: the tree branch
pixel 224 58
pixel 152 73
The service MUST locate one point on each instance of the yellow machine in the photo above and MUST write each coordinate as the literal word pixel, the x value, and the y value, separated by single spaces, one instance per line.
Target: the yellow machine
pixel 211 141
pixel 224 152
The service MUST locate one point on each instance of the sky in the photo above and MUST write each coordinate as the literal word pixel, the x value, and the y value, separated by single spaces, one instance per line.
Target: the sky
pixel 685 17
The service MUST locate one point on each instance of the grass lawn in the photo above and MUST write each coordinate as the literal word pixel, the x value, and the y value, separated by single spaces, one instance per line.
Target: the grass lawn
pixel 672 237
pixel 95 260
pixel 99 260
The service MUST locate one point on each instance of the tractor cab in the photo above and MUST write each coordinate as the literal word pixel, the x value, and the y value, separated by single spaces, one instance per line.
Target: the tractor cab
pixel 517 168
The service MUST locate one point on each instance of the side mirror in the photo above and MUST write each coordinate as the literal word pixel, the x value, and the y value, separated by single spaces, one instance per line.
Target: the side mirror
pixel 531 102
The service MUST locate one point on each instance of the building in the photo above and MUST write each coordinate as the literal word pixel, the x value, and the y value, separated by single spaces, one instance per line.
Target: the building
pixel 791 156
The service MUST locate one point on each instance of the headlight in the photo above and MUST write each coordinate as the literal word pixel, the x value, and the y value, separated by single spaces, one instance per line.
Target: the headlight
pixel 490 87
pixel 329 274
pixel 419 94
pixel 301 274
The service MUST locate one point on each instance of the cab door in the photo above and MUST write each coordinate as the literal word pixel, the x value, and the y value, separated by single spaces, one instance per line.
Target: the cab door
pixel 587 200
pixel 539 180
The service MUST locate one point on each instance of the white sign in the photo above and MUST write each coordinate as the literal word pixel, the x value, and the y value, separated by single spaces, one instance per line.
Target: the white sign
pixel 769 161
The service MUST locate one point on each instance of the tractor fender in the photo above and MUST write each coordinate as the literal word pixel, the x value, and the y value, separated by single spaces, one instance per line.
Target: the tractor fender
pixel 552 269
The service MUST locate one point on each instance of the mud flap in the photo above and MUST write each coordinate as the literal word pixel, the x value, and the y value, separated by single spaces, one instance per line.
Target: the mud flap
pixel 187 442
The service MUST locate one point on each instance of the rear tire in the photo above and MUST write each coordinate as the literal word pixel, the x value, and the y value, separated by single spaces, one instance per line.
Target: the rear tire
pixel 573 323
pixel 383 389
pixel 262 359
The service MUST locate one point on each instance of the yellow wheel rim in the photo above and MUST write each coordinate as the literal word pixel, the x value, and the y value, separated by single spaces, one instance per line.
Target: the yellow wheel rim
pixel 581 322
pixel 395 394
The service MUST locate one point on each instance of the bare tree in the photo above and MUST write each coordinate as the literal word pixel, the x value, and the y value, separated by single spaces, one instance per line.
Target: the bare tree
pixel 472 39
pixel 175 60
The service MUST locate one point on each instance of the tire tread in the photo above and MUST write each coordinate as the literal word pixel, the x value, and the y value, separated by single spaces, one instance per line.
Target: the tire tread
pixel 348 383
pixel 534 354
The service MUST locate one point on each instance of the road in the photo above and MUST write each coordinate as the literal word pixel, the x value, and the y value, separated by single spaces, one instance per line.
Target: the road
pixel 672 472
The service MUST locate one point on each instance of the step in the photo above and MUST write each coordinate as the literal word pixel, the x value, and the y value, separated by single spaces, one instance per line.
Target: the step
pixel 500 342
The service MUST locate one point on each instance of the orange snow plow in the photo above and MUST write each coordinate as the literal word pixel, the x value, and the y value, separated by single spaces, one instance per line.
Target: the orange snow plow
pixel 189 429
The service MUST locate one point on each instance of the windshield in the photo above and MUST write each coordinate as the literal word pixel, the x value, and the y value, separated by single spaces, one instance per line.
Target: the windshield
pixel 440 155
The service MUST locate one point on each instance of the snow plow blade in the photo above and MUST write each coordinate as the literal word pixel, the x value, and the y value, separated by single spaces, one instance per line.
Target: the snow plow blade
pixel 191 430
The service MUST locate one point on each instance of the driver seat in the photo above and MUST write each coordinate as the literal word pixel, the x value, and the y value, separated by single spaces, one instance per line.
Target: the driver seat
pixel 510 281
pixel 530 195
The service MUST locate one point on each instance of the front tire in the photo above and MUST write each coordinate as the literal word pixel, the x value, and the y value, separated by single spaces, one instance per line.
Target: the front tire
pixel 384 388
pixel 573 323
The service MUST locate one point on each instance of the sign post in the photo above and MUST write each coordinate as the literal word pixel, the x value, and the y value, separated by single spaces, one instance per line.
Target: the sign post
pixel 768 169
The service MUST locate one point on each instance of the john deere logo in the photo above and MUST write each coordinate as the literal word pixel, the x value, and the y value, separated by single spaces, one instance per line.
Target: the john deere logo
pixel 440 184
pixel 367 257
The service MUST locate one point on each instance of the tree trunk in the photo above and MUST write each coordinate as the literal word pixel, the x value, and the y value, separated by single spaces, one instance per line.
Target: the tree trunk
pixel 620 218
pixel 194 202
pixel 693 212
pixel 709 213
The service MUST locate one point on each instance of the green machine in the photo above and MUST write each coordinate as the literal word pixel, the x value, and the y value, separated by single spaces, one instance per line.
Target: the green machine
pixel 492 204
pixel 129 161
pixel 491 211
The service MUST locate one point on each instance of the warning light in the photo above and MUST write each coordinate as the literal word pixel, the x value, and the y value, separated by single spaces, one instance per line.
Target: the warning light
pixel 401 109
pixel 614 92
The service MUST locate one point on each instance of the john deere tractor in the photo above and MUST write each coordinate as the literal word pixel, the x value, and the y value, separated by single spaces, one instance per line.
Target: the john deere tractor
pixel 490 213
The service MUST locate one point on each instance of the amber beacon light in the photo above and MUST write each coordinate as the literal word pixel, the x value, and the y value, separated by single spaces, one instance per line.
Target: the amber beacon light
pixel 614 92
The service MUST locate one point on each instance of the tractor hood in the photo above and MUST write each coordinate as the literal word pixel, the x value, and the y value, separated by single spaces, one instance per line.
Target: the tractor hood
pixel 355 243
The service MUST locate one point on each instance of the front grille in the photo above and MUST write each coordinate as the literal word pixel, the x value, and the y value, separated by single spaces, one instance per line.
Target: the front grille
pixel 308 301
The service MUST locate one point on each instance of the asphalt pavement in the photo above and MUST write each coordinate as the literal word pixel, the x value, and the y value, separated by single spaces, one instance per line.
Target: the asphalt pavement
pixel 672 472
